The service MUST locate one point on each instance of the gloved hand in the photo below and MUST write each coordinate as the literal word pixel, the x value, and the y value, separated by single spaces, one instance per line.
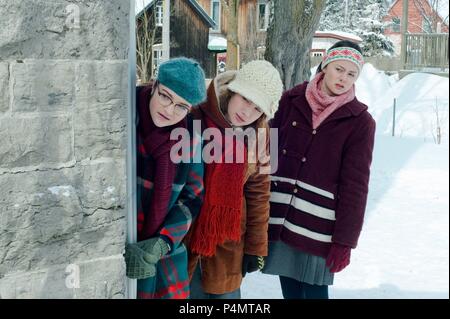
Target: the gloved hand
pixel 338 257
pixel 141 257
pixel 251 263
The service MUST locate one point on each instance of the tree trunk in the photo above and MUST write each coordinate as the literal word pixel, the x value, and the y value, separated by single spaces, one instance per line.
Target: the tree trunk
pixel 232 11
pixel 289 38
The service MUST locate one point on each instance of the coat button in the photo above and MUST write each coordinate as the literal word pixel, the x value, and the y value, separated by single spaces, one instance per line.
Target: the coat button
pixel 294 123
pixel 295 190
pixel 304 159
pixel 284 152
pixel 314 132
pixel 275 183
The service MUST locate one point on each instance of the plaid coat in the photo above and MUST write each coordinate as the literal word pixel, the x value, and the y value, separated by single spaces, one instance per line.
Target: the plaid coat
pixel 171 280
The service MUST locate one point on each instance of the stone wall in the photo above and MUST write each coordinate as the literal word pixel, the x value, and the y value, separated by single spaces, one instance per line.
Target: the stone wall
pixel 63 117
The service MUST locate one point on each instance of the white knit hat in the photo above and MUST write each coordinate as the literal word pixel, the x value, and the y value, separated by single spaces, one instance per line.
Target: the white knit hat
pixel 259 82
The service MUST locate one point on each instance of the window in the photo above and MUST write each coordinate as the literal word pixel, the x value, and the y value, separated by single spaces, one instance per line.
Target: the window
pixel 426 25
pixel 263 15
pixel 396 24
pixel 156 59
pixel 215 14
pixel 260 51
pixel 159 15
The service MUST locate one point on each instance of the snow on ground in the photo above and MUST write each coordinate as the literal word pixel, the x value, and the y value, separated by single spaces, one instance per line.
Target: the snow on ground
pixel 371 84
pixel 422 99
pixel 403 251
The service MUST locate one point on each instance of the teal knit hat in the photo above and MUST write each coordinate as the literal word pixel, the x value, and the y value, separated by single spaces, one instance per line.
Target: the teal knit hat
pixel 185 77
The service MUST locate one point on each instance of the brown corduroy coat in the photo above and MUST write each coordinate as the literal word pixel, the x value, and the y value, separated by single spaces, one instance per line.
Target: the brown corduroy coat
pixel 222 273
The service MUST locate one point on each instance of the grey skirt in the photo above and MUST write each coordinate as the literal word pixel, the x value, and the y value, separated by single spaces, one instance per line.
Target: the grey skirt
pixel 283 260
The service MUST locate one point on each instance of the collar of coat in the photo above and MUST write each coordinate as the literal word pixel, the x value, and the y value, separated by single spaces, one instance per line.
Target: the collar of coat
pixel 297 95
pixel 216 90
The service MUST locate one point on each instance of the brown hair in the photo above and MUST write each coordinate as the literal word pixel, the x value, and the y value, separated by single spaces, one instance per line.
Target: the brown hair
pixel 261 122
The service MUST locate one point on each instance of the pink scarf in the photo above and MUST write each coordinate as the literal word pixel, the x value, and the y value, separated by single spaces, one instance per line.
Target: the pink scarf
pixel 323 105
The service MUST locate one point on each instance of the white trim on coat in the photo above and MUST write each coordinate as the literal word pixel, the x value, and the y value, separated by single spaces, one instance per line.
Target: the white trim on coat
pixel 300 230
pixel 303 205
pixel 303 185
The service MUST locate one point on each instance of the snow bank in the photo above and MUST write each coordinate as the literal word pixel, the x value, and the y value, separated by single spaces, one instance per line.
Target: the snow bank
pixel 420 100
pixel 371 84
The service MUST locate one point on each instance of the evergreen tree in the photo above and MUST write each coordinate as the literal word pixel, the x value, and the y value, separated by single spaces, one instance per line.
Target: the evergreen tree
pixel 362 18
pixel 332 16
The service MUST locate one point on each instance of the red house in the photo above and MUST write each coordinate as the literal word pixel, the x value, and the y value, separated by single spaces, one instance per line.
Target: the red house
pixel 422 18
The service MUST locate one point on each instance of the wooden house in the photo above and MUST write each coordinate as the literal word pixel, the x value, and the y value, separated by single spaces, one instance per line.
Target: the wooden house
pixel 253 21
pixel 189 32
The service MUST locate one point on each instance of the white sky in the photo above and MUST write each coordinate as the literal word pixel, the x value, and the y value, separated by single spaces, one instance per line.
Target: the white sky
pixel 140 4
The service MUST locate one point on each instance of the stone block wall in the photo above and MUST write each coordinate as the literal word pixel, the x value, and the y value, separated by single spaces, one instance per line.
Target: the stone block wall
pixel 63 125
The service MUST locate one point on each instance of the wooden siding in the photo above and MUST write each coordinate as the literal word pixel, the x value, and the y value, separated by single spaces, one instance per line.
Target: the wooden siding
pixel 250 38
pixel 189 36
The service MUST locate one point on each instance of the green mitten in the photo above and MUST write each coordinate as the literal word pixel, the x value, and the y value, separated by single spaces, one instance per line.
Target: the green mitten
pixel 156 247
pixel 141 257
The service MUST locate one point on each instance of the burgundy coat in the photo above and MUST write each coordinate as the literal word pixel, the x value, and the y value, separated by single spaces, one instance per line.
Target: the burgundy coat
pixel 319 191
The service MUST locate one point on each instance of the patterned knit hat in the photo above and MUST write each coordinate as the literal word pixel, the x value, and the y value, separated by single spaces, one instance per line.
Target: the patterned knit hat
pixel 259 82
pixel 185 77
pixel 343 53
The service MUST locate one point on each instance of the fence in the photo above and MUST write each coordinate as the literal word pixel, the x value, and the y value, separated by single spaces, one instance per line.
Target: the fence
pixel 426 51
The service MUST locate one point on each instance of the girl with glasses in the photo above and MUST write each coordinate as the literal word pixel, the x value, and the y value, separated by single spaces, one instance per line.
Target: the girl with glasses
pixel 169 195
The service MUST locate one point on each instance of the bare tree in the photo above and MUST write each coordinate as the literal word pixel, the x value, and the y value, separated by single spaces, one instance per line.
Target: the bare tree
pixel 145 39
pixel 289 38
pixel 429 10
pixel 231 10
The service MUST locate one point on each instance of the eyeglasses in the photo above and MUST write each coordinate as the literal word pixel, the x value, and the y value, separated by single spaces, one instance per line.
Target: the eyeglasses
pixel 166 101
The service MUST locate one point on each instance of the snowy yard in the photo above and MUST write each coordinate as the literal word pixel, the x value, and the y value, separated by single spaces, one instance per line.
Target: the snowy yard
pixel 403 251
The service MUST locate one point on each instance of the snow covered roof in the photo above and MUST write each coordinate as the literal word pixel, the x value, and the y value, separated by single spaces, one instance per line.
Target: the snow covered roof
pixel 217 43
pixel 340 35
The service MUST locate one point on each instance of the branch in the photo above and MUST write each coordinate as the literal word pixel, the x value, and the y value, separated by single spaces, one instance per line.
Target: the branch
pixel 419 26
pixel 423 12
pixel 225 6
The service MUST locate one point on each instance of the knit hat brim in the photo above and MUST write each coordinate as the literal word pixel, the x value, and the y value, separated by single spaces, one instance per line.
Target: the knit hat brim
pixel 185 77
pixel 250 92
